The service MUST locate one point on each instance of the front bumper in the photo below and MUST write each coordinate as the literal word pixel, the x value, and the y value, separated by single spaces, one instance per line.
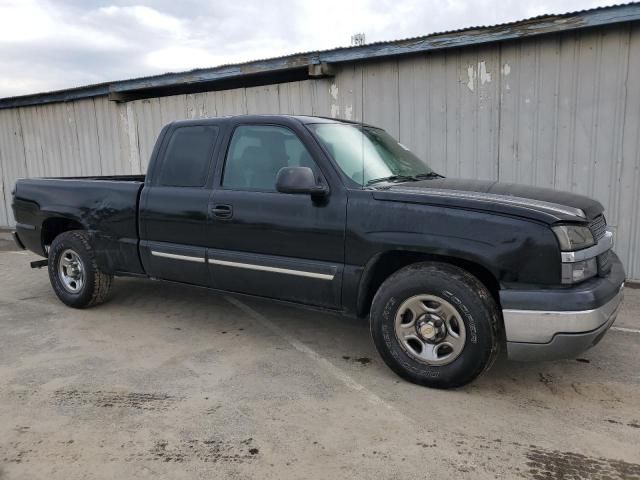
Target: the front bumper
pixel 570 321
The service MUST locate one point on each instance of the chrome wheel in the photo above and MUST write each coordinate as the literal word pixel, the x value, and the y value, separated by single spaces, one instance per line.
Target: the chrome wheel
pixel 71 271
pixel 430 329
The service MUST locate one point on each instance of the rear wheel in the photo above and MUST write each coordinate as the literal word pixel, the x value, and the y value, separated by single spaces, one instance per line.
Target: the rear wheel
pixel 435 324
pixel 74 273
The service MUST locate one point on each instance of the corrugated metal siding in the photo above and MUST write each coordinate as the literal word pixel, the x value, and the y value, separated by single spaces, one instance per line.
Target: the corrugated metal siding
pixel 566 110
pixel 628 181
pixel 12 159
pixel 560 111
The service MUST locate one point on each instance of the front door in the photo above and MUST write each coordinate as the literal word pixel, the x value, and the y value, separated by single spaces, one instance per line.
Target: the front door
pixel 174 206
pixel 277 245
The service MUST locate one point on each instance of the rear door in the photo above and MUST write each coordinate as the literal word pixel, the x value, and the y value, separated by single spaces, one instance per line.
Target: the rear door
pixel 174 204
pixel 277 245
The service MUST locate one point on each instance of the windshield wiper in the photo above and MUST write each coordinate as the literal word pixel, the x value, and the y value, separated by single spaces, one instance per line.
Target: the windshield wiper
pixel 428 175
pixel 392 178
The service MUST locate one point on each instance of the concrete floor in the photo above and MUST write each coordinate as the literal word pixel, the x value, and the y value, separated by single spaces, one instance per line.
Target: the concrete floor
pixel 174 382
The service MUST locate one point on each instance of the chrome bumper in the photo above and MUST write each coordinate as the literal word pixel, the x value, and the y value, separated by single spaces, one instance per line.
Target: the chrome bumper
pixel 548 335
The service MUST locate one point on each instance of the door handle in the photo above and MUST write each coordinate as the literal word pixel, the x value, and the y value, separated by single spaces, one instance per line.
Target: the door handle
pixel 222 211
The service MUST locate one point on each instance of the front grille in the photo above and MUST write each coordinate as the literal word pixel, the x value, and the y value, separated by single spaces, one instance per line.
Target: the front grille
pixel 598 227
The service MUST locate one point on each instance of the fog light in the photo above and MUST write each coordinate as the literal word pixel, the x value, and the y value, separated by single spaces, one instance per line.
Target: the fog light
pixel 579 271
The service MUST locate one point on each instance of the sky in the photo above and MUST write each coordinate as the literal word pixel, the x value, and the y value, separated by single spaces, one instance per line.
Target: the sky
pixel 50 45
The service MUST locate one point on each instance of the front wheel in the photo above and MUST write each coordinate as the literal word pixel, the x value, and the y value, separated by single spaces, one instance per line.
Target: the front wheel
pixel 435 324
pixel 74 273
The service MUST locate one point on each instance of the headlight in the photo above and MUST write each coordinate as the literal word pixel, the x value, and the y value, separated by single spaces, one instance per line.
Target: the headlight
pixel 579 271
pixel 573 237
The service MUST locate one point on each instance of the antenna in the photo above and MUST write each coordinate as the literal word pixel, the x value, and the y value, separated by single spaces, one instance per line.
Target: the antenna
pixel 357 39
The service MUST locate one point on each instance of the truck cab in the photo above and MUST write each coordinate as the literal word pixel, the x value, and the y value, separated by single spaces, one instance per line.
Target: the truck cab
pixel 231 214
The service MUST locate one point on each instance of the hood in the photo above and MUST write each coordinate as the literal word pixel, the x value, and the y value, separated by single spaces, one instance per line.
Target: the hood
pixel 491 195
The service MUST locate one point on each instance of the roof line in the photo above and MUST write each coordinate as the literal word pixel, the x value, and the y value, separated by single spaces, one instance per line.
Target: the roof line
pixel 170 83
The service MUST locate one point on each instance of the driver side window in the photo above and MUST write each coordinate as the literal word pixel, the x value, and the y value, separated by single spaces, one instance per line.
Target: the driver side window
pixel 258 152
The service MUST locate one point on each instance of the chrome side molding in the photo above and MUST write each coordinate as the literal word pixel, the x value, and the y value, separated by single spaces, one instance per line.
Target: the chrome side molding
pixel 248 266
pixel 174 256
pixel 264 268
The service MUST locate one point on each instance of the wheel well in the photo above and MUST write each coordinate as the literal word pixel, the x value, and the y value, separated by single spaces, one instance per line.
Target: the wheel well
pixel 52 227
pixel 390 262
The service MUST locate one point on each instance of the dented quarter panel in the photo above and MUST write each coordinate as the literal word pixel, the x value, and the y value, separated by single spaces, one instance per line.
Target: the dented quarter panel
pixel 105 208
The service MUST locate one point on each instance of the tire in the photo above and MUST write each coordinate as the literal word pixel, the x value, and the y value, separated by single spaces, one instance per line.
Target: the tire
pixel 468 340
pixel 89 286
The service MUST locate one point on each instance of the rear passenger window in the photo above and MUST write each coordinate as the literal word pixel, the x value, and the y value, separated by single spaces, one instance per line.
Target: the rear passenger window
pixel 258 152
pixel 188 156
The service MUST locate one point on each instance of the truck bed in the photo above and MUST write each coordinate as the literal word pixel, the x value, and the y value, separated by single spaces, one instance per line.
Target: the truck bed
pixel 106 206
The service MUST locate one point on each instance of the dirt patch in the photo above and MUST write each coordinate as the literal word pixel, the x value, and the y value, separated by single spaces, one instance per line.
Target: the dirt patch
pixel 210 451
pixel 15 453
pixel 136 400
pixel 550 464
pixel 38 449
pixel 361 360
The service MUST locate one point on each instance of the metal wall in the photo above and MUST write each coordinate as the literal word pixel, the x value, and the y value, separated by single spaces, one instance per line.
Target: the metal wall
pixel 560 111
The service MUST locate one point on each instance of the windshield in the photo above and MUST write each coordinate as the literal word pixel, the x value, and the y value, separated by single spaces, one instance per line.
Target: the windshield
pixel 368 155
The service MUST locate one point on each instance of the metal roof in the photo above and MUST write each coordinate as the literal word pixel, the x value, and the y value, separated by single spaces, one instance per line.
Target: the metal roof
pixel 296 66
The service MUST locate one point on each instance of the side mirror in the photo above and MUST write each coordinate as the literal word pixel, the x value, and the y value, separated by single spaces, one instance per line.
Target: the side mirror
pixel 299 180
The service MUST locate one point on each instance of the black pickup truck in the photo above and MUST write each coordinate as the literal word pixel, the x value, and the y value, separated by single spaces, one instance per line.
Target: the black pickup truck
pixel 339 215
